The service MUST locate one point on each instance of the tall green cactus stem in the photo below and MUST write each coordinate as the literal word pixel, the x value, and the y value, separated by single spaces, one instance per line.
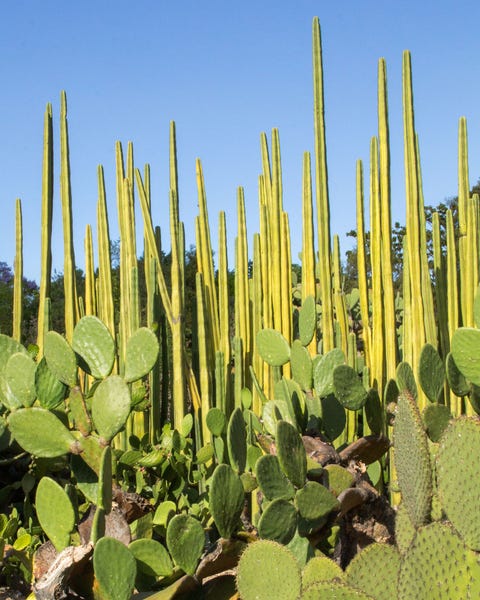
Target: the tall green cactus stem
pixel 223 305
pixel 362 267
pixel 463 197
pixel 390 339
pixel 46 235
pixel 18 275
pixel 308 247
pixel 177 295
pixel 266 375
pixel 257 321
pixel 338 295
pixel 427 292
pixel 243 311
pixel 412 212
pixel 321 189
pixel 204 366
pixel 69 284
pixel 286 284
pixel 205 259
pixel 105 292
pixel 378 349
pixel 439 266
pixel 90 291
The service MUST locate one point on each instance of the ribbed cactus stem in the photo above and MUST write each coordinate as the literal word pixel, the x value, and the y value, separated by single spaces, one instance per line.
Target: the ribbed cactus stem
pixel 46 235
pixel 412 213
pixel 204 367
pixel 378 341
pixel 274 221
pixel 362 267
pixel 386 227
pixel 105 304
pixel 69 281
pixel 286 285
pixel 223 302
pixel 206 259
pixel 321 188
pixel 18 274
pixel 90 292
pixel 257 301
pixel 243 318
pixel 309 286
pixel 339 296
pixel 439 266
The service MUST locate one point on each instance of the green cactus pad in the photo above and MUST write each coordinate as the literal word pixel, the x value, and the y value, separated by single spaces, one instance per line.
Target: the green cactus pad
pixel 226 499
pixel 436 418
pixel 391 392
pixel 457 382
pixel 363 572
pixel 412 460
pixel 301 548
pixel 216 421
pixel 314 501
pixel 93 342
pixel 374 412
pixel 278 521
pixel 321 568
pixel 41 433
pixel 268 570
pixel 110 406
pixel 307 320
pixel 115 570
pixel 50 391
pixel 61 359
pixel 466 352
pixel 333 590
pixel 334 417
pixel 437 565
pixel 431 372
pixel 273 347
pixel 19 374
pixel 339 478
pixel 55 512
pixel 141 354
pixel 458 477
pixel 348 388
pixel 152 558
pixel 9 346
pixel 323 371
pixel 237 440
pixel 185 542
pixel 301 365
pixel 253 454
pixel 406 379
pixel 404 529
pixel 291 453
pixel 79 412
pixel 272 480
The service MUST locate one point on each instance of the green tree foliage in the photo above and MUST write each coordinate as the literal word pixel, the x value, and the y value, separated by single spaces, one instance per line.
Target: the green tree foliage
pixel 30 305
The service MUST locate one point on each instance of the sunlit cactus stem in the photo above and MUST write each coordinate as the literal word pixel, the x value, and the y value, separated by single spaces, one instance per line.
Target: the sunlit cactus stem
pixel 46 235
pixel 18 275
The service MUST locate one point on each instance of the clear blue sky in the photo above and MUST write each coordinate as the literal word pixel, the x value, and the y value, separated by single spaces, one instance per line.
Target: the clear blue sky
pixel 225 72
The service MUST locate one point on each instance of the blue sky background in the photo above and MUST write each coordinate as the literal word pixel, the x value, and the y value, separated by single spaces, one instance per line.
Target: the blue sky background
pixel 225 72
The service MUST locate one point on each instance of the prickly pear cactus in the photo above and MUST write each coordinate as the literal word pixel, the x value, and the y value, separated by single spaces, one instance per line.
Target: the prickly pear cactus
pixel 412 460
pixel 291 453
pixel 363 572
pixel 273 347
pixel 272 480
pixel 458 477
pixel 321 568
pixel 278 521
pixel 333 590
pixel 55 512
pixel 93 343
pixel 268 570
pixel 185 541
pixel 115 570
pixel 438 565
pixel 226 499
pixel 431 372
pixel 466 352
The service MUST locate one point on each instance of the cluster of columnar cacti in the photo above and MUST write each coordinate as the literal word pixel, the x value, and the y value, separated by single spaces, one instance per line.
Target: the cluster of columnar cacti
pixel 264 439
